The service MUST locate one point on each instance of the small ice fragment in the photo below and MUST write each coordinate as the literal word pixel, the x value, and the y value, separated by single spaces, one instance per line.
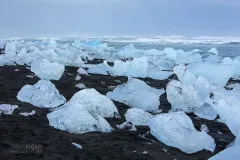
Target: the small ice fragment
pixel 204 128
pixel 80 86
pixel 16 70
pixel 164 150
pixel 127 126
pixel 117 81
pixel 82 71
pixel 145 152
pixel 77 145
pixel 231 153
pixel 111 87
pixel 29 76
pixel 7 109
pixel 78 77
pixel 103 83
pixel 28 113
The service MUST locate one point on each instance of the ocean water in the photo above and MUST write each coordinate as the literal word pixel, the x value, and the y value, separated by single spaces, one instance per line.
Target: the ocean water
pixel 224 50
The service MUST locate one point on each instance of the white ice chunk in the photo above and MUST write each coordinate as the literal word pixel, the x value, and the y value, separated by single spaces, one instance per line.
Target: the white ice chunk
pixel 28 113
pixel 177 130
pixel 82 71
pixel 130 52
pixel 77 78
pixel 227 60
pixel 77 145
pixel 226 103
pixel 47 70
pixel 206 111
pixel 171 53
pixel 99 69
pixel 138 117
pixel 231 153
pixel 187 97
pixel 213 50
pixel 137 94
pixel 155 73
pixel 7 109
pixel 135 68
pixel 75 118
pixel 80 86
pixel 43 94
pixel 216 74
pixel 92 100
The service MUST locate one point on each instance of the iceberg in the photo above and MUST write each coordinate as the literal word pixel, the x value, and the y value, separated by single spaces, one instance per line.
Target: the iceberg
pixel 177 130
pixel 137 94
pixel 47 70
pixel 43 94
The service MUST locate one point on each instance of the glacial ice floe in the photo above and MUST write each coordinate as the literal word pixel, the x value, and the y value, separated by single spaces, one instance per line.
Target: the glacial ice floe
pixel 177 130
pixel 47 70
pixel 43 94
pixel 216 74
pixel 83 113
pixel 138 117
pixel 137 94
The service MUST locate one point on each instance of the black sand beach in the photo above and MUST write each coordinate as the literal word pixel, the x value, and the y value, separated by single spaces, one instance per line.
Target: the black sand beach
pixel 57 145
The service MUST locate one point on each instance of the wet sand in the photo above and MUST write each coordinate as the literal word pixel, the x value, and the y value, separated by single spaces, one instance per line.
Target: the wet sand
pixel 117 145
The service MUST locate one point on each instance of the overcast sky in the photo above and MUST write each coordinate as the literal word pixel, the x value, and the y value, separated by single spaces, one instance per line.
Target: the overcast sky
pixel 57 18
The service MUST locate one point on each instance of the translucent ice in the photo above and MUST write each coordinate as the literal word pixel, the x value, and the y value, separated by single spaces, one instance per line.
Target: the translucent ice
pixel 84 112
pixel 213 50
pixel 135 68
pixel 187 97
pixel 226 103
pixel 80 86
pixel 7 109
pixel 177 130
pixel 138 117
pixel 82 71
pixel 99 69
pixel 216 74
pixel 43 94
pixel 75 118
pixel 137 94
pixel 231 153
pixel 47 70
pixel 92 100
pixel 28 113
pixel 206 111
pixel 171 53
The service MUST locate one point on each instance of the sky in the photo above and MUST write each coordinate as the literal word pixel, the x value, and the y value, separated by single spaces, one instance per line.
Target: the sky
pixel 76 18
